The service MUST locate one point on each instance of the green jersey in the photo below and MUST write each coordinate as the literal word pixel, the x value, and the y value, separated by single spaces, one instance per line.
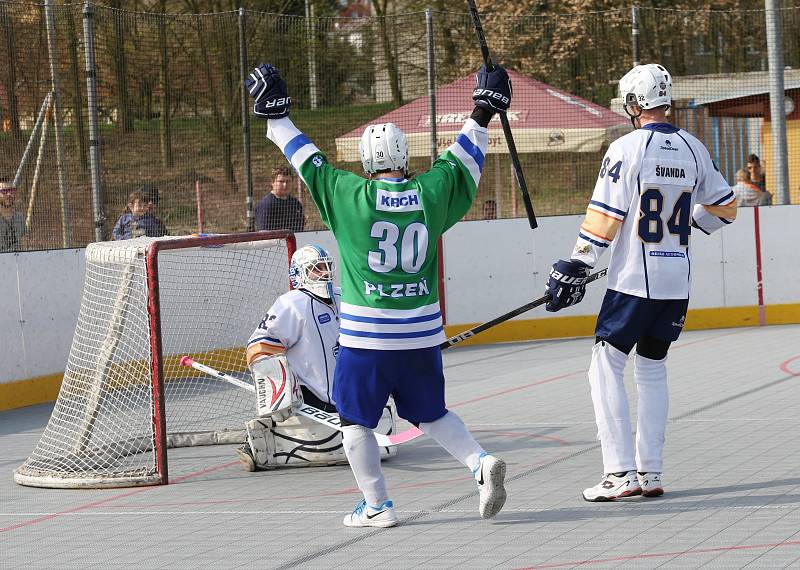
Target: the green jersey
pixel 387 230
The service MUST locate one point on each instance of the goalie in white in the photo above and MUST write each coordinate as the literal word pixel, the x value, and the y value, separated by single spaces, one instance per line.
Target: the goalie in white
pixel 292 355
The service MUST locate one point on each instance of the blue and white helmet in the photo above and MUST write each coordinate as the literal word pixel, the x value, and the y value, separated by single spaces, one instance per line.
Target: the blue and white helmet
pixel 312 269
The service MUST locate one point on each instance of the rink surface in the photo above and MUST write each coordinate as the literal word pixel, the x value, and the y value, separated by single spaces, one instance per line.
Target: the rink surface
pixel 732 480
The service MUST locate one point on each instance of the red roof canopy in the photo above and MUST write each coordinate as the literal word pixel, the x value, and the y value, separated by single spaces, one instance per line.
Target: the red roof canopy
pixel 542 117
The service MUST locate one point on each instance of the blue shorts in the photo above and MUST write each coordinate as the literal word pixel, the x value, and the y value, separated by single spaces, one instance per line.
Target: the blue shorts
pixel 625 319
pixel 364 380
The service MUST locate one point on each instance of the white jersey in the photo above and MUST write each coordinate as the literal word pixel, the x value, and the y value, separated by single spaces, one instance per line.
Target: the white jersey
pixel 308 330
pixel 649 182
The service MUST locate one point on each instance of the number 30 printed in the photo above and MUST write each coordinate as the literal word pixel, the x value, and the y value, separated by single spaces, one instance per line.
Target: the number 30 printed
pixel 413 247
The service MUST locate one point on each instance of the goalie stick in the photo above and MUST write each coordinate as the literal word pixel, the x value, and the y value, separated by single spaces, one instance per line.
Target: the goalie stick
pixel 308 411
pixel 469 333
pixel 512 148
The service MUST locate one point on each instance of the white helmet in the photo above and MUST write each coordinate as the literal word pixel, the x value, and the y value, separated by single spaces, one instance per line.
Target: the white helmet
pixel 312 269
pixel 647 86
pixel 383 147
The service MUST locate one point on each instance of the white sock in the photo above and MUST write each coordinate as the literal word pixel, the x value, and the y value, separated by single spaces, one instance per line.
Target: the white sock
pixel 363 454
pixel 611 408
pixel 653 408
pixel 451 433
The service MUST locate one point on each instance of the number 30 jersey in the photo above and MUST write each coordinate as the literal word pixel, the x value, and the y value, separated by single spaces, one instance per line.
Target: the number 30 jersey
pixel 387 231
pixel 654 185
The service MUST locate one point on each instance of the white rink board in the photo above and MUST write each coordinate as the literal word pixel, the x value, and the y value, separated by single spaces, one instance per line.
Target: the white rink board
pixel 491 267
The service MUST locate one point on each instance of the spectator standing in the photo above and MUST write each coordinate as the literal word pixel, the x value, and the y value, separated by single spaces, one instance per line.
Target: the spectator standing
pixel 278 210
pixel 758 179
pixel 747 193
pixel 12 221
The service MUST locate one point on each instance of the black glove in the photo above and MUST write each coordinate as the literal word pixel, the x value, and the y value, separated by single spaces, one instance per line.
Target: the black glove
pixel 567 284
pixel 268 88
pixel 492 89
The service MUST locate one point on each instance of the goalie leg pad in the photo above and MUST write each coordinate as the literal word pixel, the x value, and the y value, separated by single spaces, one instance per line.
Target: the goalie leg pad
pixel 300 442
pixel 262 442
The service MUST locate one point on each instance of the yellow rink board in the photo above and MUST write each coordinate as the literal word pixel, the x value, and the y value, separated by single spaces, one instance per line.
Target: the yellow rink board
pixel 42 389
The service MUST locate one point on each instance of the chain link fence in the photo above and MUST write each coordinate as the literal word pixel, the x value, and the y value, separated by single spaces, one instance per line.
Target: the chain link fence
pixel 174 141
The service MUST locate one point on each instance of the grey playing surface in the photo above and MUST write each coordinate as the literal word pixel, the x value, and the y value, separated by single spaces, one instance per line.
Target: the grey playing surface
pixel 732 479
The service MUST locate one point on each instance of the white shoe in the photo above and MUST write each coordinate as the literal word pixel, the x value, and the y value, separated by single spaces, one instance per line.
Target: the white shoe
pixel 246 458
pixel 651 484
pixel 614 487
pixel 490 476
pixel 382 516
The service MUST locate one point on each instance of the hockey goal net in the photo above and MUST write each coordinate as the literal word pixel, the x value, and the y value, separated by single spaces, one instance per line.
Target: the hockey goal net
pixel 125 398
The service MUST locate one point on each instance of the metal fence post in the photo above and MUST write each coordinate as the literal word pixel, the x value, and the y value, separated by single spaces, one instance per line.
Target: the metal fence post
pixel 66 229
pixel 777 108
pixel 431 83
pixel 94 136
pixel 312 52
pixel 635 35
pixel 248 170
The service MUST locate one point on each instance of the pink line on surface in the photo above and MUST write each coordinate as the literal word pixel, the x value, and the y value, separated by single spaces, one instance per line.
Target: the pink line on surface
pixel 784 366
pixel 112 498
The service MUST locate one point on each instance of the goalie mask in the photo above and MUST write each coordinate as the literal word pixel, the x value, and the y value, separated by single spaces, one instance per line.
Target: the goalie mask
pixel 646 86
pixel 312 269
pixel 382 148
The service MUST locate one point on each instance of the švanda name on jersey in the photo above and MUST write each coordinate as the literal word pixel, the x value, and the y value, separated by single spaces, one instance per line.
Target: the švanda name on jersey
pixel 396 290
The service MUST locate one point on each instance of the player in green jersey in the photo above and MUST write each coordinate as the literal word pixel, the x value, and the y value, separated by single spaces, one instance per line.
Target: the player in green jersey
pixel 387 227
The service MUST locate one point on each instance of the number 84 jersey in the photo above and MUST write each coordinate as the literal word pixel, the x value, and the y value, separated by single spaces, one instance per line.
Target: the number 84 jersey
pixel 652 183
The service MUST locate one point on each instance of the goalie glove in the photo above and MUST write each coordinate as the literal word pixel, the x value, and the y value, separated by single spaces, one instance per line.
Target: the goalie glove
pixel 277 388
pixel 268 88
pixel 492 90
pixel 567 284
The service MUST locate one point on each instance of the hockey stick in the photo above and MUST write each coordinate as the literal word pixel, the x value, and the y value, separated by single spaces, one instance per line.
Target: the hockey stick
pixel 308 411
pixel 469 333
pixel 512 148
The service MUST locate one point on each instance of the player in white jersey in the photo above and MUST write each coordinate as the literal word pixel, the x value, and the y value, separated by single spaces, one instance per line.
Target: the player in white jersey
pixel 300 334
pixel 655 184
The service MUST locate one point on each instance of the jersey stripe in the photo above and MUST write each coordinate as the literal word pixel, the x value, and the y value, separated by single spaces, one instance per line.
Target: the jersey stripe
pixel 294 144
pixel 727 199
pixel 592 241
pixel 471 149
pixel 367 327
pixel 391 321
pixel 607 208
pixel 391 335
pixel 265 339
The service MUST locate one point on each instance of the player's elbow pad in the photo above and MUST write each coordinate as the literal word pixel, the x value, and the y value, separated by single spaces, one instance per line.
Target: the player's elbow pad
pixel 708 222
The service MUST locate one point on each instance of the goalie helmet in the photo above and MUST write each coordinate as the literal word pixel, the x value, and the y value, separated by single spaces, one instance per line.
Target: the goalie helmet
pixel 383 147
pixel 647 86
pixel 312 269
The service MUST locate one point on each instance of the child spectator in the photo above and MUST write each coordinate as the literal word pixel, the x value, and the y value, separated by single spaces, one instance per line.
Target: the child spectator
pixel 747 193
pixel 136 220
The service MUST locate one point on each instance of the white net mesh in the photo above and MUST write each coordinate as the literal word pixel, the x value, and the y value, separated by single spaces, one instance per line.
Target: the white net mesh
pixel 101 431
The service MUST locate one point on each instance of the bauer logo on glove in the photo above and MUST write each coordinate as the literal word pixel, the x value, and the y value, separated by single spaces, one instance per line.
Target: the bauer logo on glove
pixel 492 90
pixel 268 88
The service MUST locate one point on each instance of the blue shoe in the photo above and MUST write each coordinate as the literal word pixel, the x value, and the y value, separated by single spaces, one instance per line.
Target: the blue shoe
pixel 382 516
